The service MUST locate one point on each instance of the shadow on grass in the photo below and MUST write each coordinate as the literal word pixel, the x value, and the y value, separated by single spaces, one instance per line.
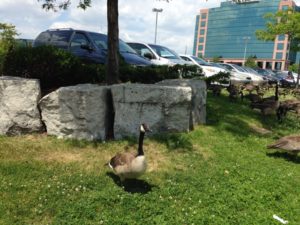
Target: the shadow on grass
pixel 132 185
pixel 285 155
pixel 233 115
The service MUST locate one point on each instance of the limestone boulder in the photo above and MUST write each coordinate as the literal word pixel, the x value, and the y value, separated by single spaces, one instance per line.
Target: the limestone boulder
pixel 198 109
pixel 162 108
pixel 19 112
pixel 76 112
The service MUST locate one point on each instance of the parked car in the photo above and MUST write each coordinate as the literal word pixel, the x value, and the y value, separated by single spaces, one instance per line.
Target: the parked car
pixel 158 54
pixel 91 47
pixel 271 77
pixel 208 70
pixel 236 75
pixel 241 74
pixel 251 70
pixel 288 78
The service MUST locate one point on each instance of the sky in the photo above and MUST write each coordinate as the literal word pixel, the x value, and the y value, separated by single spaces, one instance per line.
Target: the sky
pixel 175 27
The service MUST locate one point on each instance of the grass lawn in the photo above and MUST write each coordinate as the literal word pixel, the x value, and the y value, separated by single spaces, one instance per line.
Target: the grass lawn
pixel 221 173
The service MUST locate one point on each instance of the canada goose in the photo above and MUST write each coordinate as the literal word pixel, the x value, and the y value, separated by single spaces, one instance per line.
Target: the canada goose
pixel 250 88
pixel 251 97
pixel 267 105
pixel 216 89
pixel 289 143
pixel 130 165
pixel 234 92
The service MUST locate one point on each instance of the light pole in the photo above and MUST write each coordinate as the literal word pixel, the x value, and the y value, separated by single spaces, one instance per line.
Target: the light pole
pixel 156 11
pixel 246 39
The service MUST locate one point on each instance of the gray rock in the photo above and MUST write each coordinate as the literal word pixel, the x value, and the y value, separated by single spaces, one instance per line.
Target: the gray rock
pixel 162 108
pixel 76 112
pixel 198 110
pixel 19 113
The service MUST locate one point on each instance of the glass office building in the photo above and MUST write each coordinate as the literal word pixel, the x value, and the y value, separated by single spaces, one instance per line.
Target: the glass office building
pixel 228 32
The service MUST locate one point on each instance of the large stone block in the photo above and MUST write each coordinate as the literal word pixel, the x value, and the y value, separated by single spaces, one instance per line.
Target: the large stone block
pixel 76 112
pixel 198 110
pixel 19 113
pixel 163 108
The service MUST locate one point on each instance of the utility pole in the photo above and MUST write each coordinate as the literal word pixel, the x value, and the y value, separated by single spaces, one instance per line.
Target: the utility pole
pixel 246 39
pixel 156 11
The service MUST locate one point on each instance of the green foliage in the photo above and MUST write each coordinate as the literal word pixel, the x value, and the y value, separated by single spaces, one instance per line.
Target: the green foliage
pixel 153 74
pixel 221 77
pixel 294 68
pixel 7 41
pixel 279 23
pixel 216 59
pixel 250 62
pixel 54 67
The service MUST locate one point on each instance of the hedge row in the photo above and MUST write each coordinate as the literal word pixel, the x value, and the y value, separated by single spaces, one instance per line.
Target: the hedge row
pixel 55 67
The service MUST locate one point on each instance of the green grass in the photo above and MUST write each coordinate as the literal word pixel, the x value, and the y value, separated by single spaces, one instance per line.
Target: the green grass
pixel 221 173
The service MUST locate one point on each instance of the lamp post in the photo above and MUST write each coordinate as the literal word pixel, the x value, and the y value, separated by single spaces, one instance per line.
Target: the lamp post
pixel 246 39
pixel 156 11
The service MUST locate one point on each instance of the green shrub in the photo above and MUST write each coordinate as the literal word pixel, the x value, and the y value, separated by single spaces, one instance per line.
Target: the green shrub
pixel 54 67
pixel 221 77
pixel 153 74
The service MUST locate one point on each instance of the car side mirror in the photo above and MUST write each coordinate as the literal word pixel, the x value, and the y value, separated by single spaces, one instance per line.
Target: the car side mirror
pixel 86 47
pixel 148 55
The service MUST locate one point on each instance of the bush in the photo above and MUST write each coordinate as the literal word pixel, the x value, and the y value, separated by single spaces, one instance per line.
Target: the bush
pixel 52 66
pixel 153 74
pixel 56 67
pixel 221 77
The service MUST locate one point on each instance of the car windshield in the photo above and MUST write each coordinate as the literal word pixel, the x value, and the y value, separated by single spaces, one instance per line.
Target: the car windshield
pixel 164 52
pixel 228 67
pixel 250 70
pixel 200 61
pixel 101 41
pixel 240 69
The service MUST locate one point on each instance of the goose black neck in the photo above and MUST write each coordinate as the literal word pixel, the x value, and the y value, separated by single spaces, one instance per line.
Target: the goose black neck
pixel 276 92
pixel 141 140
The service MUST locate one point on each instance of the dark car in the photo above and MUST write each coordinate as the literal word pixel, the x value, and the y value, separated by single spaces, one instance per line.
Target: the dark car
pixel 91 47
pixel 272 77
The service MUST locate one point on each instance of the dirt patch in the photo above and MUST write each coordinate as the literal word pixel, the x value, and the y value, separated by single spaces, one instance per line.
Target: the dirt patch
pixel 206 154
pixel 62 157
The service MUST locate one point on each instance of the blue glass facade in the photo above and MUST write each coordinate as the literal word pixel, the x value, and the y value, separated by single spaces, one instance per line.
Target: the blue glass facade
pixel 231 31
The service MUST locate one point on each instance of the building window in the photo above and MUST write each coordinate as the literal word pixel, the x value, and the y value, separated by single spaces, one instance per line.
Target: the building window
pixel 281 37
pixel 278 65
pixel 202 31
pixel 285 7
pixel 280 46
pixel 203 23
pixel 203 16
pixel 278 55
pixel 200 48
pixel 201 40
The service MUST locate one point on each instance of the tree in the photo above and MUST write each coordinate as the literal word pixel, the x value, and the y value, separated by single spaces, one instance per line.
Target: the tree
pixel 7 40
pixel 283 22
pixel 216 59
pixel 112 73
pixel 250 62
pixel 294 67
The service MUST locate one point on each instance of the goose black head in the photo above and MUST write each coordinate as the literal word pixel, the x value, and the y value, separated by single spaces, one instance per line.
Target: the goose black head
pixel 144 128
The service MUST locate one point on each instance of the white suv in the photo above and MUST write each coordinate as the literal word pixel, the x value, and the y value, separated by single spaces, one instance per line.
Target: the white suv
pixel 207 69
pixel 159 55
pixel 239 74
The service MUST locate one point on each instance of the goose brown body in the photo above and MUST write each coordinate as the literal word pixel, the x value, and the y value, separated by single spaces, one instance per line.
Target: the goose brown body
pixel 288 143
pixel 130 165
